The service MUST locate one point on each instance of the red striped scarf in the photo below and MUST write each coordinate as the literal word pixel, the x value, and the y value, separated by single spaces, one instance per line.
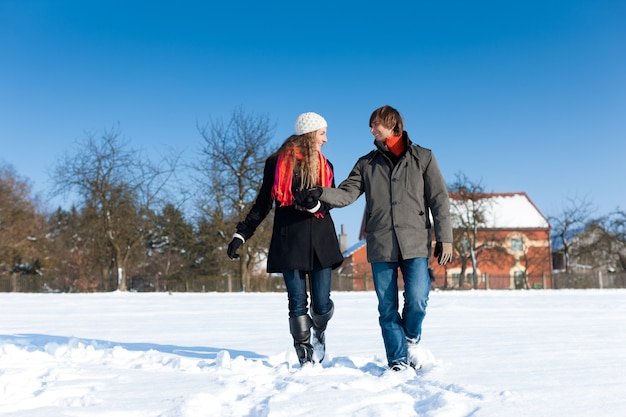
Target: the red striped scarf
pixel 281 191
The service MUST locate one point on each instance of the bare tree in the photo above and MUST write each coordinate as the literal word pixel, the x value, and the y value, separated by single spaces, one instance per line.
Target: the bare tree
pixel 617 228
pixel 468 212
pixel 532 259
pixel 469 208
pixel 231 170
pixel 566 225
pixel 121 185
pixel 602 245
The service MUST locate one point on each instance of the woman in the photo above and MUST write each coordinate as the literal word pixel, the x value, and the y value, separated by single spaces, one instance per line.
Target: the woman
pixel 303 241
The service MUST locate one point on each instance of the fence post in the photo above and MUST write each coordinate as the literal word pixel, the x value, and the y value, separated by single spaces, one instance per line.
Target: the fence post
pixel 600 284
pixel 486 277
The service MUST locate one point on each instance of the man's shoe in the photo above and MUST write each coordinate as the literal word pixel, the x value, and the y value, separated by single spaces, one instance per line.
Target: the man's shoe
pixel 398 366
pixel 413 353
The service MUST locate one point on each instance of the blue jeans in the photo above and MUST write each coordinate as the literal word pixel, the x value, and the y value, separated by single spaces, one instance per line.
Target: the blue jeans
pixel 396 328
pixel 295 281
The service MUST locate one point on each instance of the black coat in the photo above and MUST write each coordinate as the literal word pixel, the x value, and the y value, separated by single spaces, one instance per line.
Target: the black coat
pixel 299 239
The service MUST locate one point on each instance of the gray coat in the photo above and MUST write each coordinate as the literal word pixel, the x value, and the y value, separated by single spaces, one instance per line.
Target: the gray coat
pixel 399 194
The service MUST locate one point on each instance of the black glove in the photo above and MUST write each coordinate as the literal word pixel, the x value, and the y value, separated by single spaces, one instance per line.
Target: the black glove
pixel 443 252
pixel 308 198
pixel 233 246
pixel 299 195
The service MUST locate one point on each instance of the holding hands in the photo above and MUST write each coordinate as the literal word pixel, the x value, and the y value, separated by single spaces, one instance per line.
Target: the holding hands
pixel 308 198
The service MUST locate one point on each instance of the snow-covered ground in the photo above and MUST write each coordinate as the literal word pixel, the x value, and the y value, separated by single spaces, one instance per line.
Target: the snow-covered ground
pixel 488 353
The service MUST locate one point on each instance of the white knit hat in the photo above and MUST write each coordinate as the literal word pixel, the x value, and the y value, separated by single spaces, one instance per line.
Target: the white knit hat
pixel 309 122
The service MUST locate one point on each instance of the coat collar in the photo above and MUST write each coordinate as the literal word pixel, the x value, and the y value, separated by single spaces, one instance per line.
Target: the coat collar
pixel 380 147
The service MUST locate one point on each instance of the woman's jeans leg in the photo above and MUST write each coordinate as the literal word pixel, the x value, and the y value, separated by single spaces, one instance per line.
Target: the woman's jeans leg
pixel 396 328
pixel 295 281
pixel 320 290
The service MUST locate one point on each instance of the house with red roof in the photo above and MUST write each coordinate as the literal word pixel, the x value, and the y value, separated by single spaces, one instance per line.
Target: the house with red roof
pixel 501 241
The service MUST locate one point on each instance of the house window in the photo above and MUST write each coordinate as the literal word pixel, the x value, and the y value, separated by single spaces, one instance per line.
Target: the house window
pixel 517 245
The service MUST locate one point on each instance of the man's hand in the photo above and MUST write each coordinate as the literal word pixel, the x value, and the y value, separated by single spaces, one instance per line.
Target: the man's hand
pixel 233 246
pixel 443 252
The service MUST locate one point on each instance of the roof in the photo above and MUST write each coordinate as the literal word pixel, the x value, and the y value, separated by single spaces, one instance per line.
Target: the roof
pixel 354 248
pixel 501 210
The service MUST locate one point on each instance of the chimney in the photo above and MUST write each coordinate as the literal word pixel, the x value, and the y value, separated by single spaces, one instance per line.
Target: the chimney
pixel 343 241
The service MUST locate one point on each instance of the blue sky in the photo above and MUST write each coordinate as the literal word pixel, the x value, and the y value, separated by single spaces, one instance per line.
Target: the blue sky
pixel 518 95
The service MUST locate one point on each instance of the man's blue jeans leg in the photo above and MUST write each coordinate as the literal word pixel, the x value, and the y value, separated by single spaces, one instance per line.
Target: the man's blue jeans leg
pixel 416 291
pixel 386 285
pixel 396 328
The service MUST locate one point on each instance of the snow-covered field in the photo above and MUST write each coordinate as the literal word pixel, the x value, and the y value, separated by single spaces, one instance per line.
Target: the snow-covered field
pixel 488 353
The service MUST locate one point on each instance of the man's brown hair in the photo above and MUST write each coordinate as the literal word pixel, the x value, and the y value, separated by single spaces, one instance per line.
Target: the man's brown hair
pixel 390 118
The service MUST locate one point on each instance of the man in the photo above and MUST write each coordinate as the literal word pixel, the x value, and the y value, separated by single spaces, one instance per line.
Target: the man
pixel 403 185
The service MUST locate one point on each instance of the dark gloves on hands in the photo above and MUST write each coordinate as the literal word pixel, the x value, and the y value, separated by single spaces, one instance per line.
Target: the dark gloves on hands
pixel 443 252
pixel 233 246
pixel 308 198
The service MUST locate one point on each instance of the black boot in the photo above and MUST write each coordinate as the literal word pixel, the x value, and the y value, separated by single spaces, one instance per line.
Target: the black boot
pixel 300 328
pixel 319 332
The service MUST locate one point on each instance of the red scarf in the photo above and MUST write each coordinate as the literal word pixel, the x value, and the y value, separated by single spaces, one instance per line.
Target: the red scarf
pixel 395 144
pixel 281 191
